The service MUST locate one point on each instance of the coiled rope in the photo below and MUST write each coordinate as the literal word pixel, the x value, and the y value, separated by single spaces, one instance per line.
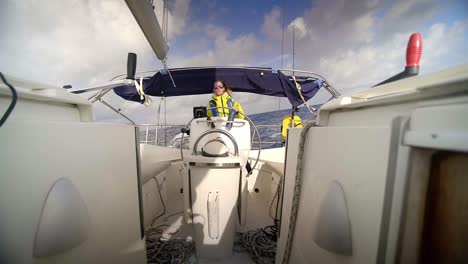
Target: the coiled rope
pixel 161 250
pixel 260 244
pixel 173 251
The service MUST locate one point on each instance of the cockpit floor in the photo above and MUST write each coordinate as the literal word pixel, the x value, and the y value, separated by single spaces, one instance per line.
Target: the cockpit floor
pixel 170 240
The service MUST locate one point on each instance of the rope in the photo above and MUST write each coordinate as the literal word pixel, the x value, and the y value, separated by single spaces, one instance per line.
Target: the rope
pixel 14 98
pixel 260 244
pixel 158 117
pixel 312 110
pixel 147 101
pixel 276 198
pixel 297 192
pixel 160 250
pixel 162 201
pixel 171 251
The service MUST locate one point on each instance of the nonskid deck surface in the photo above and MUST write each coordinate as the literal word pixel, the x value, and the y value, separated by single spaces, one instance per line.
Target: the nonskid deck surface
pixel 170 240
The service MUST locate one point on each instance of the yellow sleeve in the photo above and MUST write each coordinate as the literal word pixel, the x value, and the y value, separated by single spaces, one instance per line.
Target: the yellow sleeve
pixel 209 113
pixel 241 110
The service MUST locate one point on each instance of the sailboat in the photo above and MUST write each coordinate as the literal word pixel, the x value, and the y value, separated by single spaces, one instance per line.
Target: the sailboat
pixel 379 176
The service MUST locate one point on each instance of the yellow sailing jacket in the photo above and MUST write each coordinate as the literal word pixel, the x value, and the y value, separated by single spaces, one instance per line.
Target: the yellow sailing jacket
pixel 223 101
pixel 287 120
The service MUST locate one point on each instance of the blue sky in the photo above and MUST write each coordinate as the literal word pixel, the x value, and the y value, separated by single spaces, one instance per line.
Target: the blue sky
pixel 242 17
pixel 355 44
pixel 239 18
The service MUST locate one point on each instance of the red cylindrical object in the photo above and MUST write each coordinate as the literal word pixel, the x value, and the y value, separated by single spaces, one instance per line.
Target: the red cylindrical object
pixel 414 50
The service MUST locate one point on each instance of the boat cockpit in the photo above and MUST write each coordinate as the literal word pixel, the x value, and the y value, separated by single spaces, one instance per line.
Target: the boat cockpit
pixel 377 176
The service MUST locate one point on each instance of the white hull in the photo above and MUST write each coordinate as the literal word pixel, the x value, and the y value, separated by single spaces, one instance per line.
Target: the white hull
pixel 371 152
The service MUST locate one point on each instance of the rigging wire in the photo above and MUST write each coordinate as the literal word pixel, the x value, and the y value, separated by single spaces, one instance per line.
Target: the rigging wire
pixel 293 46
pixel 282 38
pixel 165 121
pixel 14 98
pixel 165 28
pixel 282 55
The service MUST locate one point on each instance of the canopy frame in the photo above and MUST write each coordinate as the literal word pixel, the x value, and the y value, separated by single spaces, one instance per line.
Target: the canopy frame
pixel 103 89
pixel 259 80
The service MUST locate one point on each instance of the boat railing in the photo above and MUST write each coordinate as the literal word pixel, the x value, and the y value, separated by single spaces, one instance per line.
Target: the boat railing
pixel 163 135
pixel 150 133
pixel 272 131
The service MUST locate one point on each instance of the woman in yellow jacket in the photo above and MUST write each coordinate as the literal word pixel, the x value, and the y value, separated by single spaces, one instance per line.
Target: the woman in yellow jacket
pixel 221 100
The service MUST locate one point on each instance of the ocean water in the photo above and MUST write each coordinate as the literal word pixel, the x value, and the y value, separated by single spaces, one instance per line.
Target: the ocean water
pixel 268 125
pixel 271 135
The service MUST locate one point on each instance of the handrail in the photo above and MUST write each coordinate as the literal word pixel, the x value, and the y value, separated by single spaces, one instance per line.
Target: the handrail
pixel 220 121
pixel 104 86
pixel 329 87
pixel 161 125
pixel 116 110
pixel 268 125
pixel 158 126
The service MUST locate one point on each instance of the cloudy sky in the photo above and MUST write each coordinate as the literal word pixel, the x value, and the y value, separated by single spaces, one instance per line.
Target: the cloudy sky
pixel 355 44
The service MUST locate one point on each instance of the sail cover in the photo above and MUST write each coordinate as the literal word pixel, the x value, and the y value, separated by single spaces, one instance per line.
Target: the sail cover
pixel 191 81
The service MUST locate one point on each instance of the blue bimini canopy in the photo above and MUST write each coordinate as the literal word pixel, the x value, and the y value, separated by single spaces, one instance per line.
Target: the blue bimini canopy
pixel 190 81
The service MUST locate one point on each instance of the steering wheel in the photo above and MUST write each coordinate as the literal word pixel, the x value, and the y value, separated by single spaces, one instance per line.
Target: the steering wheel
pixel 225 133
pixel 211 131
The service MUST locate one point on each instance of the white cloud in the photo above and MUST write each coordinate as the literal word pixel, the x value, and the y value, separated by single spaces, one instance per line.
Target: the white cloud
pixel 355 44
pixel 361 67
pixel 443 45
pixel 298 27
pixel 271 22
pixel 407 15
pixel 352 55
pixel 80 43
pixel 227 50
pixel 76 42
pixel 177 16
